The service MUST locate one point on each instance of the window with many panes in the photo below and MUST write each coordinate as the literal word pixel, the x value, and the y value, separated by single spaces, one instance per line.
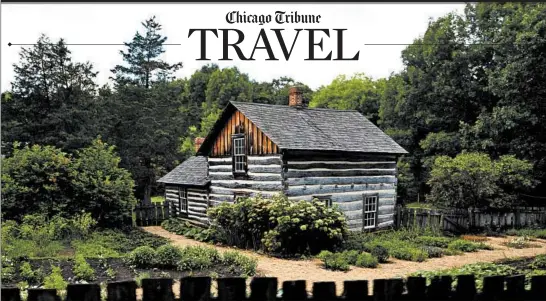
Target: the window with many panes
pixel 369 211
pixel 239 154
pixel 183 200
pixel 327 200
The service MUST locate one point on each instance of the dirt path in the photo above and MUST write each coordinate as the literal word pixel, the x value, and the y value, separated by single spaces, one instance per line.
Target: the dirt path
pixel 311 270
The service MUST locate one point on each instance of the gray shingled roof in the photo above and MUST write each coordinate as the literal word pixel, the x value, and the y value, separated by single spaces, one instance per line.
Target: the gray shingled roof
pixel 319 129
pixel 193 171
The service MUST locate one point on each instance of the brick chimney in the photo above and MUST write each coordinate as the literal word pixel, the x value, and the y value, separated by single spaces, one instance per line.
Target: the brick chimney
pixel 198 142
pixel 295 98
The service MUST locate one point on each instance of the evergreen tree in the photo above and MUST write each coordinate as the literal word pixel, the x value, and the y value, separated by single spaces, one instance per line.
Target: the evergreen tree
pixel 52 99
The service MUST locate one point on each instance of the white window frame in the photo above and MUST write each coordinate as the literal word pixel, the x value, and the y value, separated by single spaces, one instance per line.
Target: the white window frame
pixel 182 200
pixel 369 211
pixel 239 154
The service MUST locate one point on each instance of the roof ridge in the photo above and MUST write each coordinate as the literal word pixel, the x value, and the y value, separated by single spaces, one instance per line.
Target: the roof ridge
pixel 287 106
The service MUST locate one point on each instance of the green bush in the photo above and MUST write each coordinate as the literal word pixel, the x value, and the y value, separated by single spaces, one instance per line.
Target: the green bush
pixel 168 256
pixel 142 257
pixel 433 241
pixel 381 253
pixel 246 264
pixel 409 253
pixel 539 262
pixel 336 262
pixel 46 181
pixel 366 260
pixel 479 270
pixel 197 258
pixel 8 269
pixel 433 252
pixel 29 275
pixel 279 226
pixel 92 249
pixel 463 245
pixel 55 280
pixel 82 269
pixel 350 256
pixel 475 180
pixel 324 254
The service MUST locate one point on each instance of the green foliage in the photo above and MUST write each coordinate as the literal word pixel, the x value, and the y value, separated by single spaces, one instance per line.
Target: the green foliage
pixel 198 258
pixel 142 257
pixel 433 241
pixel 168 256
pixel 463 245
pixel 433 252
pixel 29 275
pixel 479 270
pixel 474 180
pixel 55 279
pixel 279 226
pixel 335 262
pixel 181 227
pixel 99 182
pixel 381 253
pixel 45 181
pixel 8 269
pixel 539 262
pixel 140 276
pixel 36 180
pixel 82 269
pixel 366 260
pixel 350 256
pixel 356 93
pixel 111 273
pixel 534 233
pixel 237 260
pixel 51 102
pixel 323 254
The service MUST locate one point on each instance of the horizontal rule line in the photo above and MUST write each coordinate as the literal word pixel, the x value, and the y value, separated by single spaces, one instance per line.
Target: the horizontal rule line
pixel 437 44
pixel 79 44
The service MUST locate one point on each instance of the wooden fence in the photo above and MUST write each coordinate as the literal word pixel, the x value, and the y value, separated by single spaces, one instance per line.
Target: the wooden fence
pixel 265 289
pixel 150 214
pixel 461 220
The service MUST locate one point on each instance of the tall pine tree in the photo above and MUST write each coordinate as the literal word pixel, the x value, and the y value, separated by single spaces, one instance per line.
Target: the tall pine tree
pixel 145 118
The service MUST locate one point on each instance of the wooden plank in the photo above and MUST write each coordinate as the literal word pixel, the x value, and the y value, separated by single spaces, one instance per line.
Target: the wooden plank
pixel 340 164
pixel 314 189
pixel 324 172
pixel 340 180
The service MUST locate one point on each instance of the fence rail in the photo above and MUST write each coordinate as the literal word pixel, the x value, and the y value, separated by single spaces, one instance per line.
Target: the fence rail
pixel 265 289
pixel 150 214
pixel 461 220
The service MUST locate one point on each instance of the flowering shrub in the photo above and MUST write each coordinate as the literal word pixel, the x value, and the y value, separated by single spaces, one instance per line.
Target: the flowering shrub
pixel 279 226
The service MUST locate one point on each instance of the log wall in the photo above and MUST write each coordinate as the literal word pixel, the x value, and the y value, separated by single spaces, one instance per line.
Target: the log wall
pixel 264 176
pixel 346 180
pixel 198 202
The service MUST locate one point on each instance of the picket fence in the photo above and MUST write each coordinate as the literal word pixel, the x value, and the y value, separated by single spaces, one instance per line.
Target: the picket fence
pixel 496 288
pixel 150 213
pixel 462 220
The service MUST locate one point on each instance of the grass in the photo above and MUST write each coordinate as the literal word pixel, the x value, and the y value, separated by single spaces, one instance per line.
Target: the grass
pixel 412 244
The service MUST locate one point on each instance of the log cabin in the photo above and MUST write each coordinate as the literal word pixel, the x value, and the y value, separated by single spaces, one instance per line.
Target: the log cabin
pixel 336 156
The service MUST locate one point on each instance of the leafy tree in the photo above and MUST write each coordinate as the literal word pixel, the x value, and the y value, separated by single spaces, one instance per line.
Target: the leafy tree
pixel 474 180
pixel 36 179
pixel 356 93
pixel 51 99
pixel 100 186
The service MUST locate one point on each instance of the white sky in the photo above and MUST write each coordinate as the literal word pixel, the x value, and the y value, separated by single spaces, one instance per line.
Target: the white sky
pixel 117 23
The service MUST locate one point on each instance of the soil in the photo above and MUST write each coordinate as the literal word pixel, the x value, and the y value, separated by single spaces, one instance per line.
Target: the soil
pixel 123 271
pixel 311 270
